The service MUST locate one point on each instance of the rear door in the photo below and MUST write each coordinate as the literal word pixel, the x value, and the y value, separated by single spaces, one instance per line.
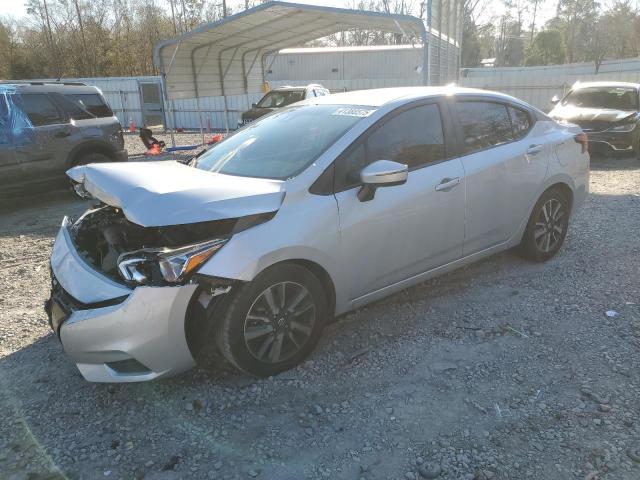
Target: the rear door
pixel 406 229
pixel 504 162
pixel 44 152
pixel 152 105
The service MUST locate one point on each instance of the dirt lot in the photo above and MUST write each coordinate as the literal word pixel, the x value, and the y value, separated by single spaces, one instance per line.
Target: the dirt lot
pixel 502 370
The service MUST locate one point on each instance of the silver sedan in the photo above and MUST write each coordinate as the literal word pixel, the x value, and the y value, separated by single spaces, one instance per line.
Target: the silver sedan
pixel 305 214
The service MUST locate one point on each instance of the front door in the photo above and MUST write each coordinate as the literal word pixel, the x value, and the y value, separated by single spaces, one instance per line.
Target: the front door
pixel 9 168
pixel 406 229
pixel 152 106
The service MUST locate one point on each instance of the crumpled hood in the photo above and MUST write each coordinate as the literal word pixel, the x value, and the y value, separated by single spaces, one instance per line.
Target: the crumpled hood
pixel 155 194
pixel 573 114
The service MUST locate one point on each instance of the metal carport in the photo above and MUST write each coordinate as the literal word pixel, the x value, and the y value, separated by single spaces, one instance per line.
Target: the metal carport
pixel 227 57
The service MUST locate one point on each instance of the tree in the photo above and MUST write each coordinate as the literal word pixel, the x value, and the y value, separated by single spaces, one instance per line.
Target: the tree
pixel 547 49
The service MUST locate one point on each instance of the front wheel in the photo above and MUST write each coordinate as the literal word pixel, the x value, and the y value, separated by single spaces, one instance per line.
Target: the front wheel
pixel 547 227
pixel 274 322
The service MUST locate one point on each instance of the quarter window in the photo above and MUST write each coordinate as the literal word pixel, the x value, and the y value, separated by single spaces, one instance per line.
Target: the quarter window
pixel 484 124
pixel 40 109
pixel 520 121
pixel 413 137
pixel 92 103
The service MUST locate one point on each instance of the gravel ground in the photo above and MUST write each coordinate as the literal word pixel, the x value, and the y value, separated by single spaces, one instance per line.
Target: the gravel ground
pixel 501 370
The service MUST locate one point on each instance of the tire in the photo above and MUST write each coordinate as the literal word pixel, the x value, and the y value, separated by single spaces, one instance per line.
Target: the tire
pixel 92 157
pixel 542 240
pixel 254 322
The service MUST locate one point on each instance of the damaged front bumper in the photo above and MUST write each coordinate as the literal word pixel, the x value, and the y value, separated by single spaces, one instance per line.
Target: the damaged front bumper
pixel 114 333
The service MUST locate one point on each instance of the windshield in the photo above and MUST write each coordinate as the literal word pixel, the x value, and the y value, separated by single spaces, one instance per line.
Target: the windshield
pixel 281 99
pixel 616 98
pixel 282 144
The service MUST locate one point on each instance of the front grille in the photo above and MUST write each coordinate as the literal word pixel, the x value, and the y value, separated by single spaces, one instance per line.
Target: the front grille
pixel 71 304
pixel 593 125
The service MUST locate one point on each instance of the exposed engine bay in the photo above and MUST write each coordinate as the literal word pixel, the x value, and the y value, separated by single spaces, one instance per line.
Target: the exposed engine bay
pixel 103 234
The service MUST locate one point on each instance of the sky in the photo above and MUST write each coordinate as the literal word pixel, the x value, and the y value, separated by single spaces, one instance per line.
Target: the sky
pixel 546 9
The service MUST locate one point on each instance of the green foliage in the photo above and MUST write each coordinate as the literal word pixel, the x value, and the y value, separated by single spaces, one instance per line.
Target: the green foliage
pixel 547 49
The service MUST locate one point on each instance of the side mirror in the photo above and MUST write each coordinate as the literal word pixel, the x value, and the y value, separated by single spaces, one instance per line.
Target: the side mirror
pixel 555 100
pixel 381 173
pixel 253 105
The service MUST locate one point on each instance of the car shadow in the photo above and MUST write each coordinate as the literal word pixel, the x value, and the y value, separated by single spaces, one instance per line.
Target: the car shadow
pixel 604 162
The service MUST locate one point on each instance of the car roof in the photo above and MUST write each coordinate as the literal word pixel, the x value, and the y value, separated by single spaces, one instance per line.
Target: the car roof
pixel 287 88
pixel 579 85
pixel 382 96
pixel 44 87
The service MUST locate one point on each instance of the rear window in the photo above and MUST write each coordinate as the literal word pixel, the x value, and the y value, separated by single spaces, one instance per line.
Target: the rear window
pixel 484 124
pixel 92 103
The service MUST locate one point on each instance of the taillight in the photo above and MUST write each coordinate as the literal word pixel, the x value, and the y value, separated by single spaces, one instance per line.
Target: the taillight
pixel 583 140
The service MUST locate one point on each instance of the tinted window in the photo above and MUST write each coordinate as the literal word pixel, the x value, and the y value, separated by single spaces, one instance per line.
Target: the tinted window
pixel 282 144
pixel 92 103
pixel 484 124
pixel 280 99
pixel 40 109
pixel 71 107
pixel 520 121
pixel 413 137
pixel 618 98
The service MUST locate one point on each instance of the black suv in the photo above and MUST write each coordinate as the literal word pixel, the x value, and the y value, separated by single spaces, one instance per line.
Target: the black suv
pixel 609 112
pixel 281 97
pixel 46 128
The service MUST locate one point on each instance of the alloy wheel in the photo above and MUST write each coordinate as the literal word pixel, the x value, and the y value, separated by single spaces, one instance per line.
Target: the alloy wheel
pixel 549 225
pixel 279 322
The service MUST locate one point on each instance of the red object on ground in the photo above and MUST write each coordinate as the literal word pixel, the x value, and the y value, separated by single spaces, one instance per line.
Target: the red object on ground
pixel 132 126
pixel 154 150
pixel 179 130
pixel 218 137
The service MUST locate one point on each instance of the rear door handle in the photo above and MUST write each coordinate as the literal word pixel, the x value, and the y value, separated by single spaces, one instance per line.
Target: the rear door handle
pixel 534 149
pixel 447 184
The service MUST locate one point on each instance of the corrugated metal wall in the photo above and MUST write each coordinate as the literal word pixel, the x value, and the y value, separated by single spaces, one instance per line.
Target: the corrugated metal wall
pixel 537 85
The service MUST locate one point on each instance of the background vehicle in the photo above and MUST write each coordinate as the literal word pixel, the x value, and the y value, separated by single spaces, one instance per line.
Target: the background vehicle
pixel 46 128
pixel 279 98
pixel 313 211
pixel 609 112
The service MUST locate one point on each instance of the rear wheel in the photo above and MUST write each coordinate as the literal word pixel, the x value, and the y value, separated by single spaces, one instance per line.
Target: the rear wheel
pixel 547 227
pixel 92 157
pixel 274 322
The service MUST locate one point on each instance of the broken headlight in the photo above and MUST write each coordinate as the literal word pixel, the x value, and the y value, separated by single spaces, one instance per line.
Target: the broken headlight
pixel 171 265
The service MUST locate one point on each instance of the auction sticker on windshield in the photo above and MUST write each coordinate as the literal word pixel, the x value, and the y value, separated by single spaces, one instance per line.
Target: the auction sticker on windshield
pixel 353 112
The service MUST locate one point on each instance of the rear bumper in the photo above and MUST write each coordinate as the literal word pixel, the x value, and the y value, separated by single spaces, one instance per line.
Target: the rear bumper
pixel 113 333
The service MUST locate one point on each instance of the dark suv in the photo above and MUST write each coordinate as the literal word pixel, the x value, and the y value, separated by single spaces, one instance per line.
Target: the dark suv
pixel 46 128
pixel 609 112
pixel 281 97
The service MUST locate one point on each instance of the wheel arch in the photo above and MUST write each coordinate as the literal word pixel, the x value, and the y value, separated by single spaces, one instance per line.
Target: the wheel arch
pixel 91 146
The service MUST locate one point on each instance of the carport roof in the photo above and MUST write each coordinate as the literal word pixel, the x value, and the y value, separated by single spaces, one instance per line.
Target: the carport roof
pixel 225 57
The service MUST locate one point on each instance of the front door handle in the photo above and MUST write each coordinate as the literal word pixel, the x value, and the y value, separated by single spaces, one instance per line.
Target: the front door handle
pixel 447 184
pixel 534 149
pixel 62 134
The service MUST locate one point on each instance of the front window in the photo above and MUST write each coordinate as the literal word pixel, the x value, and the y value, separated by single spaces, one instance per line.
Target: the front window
pixel 282 144
pixel 616 98
pixel 281 99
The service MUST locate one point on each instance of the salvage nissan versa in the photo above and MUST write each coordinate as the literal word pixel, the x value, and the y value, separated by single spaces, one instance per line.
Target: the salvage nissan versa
pixel 307 213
